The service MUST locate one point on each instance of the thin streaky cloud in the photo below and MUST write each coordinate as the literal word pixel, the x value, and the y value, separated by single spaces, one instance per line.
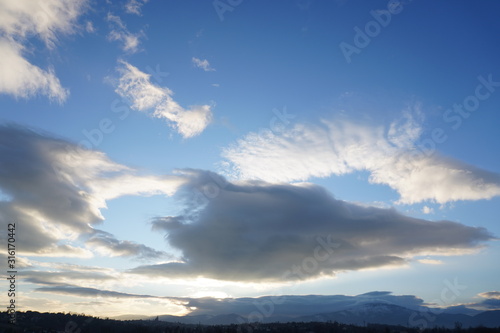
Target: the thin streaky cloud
pixel 430 261
pixel 491 294
pixel 107 245
pixel 134 6
pixel 91 292
pixel 203 64
pixel 119 32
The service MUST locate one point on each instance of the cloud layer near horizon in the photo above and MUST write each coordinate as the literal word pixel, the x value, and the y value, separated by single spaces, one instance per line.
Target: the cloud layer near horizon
pixel 392 157
pixel 257 231
pixel 285 306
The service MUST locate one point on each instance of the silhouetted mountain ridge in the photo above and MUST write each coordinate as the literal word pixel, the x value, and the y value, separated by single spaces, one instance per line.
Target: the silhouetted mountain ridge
pixel 361 314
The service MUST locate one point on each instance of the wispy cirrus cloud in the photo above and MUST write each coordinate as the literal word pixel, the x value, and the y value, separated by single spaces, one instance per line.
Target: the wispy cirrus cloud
pixel 337 147
pixel 144 95
pixel 119 32
pixel 203 64
pixel 134 6
pixel 45 20
pixel 257 231
pixel 90 292
pixel 64 276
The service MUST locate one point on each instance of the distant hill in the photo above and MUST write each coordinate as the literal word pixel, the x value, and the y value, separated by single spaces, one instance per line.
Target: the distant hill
pixel 487 319
pixel 361 315
pixel 131 317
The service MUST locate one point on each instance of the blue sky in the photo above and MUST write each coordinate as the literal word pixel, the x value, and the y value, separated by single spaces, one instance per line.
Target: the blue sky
pixel 180 149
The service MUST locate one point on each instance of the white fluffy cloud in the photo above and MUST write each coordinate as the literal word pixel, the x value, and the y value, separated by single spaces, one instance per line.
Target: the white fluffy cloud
pixel 144 95
pixel 22 79
pixel 54 191
pixel 427 210
pixel 339 147
pixel 24 19
pixel 257 231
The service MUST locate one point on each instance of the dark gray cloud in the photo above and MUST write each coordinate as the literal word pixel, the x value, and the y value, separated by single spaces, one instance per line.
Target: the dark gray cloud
pixel 89 292
pixel 256 231
pixel 54 191
pixel 36 238
pixel 106 244
pixel 490 303
pixel 29 164
pixel 38 195
pixel 58 277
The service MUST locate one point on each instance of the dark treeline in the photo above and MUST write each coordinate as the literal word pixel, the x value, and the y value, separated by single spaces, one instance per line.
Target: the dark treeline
pixel 31 321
